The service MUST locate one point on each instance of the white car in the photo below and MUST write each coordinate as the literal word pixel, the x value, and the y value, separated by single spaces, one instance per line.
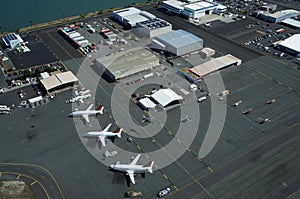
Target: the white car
pixel 164 192
pixel 202 98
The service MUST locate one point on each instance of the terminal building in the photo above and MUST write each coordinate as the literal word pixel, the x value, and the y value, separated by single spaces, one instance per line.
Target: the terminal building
pixel 125 63
pixel 131 16
pixel 153 27
pixel 59 81
pixel 177 42
pixel 290 45
pixel 12 40
pixel 278 16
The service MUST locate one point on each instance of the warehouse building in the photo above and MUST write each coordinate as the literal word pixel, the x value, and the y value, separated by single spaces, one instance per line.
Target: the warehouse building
pixel 146 104
pixel 291 23
pixel 131 16
pixel 278 16
pixel 177 42
pixel 166 98
pixel 291 45
pixel 125 63
pixel 12 40
pixel 153 27
pixel 214 65
pixel 59 81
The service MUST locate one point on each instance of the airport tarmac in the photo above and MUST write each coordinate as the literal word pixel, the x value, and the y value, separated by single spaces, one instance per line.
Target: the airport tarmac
pixel 248 159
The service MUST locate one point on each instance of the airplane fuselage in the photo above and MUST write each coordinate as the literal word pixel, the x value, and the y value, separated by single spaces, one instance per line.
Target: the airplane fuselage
pixel 126 167
pixel 80 113
pixel 95 134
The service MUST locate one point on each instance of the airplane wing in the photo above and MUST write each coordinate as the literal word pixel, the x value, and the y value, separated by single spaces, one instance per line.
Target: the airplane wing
pixel 81 100
pixel 134 161
pixel 86 117
pixel 131 176
pixel 102 139
pixel 89 108
pixel 107 128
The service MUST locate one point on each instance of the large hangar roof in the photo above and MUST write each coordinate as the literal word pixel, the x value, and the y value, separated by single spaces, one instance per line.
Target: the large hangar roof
pixel 122 63
pixel 58 80
pixel 215 64
pixel 179 38
pixel 292 42
pixel 165 96
pixel 292 22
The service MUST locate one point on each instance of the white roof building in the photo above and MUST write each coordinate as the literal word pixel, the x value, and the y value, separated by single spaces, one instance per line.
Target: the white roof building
pixel 166 97
pixel 291 45
pixel 58 81
pixel 146 103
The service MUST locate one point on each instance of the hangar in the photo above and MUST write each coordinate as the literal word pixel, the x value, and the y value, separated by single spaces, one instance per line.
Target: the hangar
pixel 291 45
pixel 126 63
pixel 214 65
pixel 177 42
pixel 59 81
pixel 166 97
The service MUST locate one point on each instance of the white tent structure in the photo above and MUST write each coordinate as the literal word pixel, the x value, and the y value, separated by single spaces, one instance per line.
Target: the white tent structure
pixel 166 97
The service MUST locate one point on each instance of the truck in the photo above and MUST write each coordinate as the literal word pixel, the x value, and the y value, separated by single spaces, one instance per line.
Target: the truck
pixel 132 193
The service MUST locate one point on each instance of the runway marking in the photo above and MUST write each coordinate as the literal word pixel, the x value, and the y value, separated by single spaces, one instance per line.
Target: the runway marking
pixel 138 147
pixel 170 132
pixel 0 174
pixel 33 183
pixel 165 176
pixel 210 169
pixel 175 188
pixel 188 149
pixel 18 176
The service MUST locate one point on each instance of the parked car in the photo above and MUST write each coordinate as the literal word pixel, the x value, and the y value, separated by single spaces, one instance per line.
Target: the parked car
pixel 164 192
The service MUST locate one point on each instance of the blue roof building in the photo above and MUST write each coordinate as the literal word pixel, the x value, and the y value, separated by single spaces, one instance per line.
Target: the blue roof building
pixel 12 40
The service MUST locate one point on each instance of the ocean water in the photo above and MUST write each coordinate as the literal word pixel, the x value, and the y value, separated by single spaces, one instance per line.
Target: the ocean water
pixel 21 13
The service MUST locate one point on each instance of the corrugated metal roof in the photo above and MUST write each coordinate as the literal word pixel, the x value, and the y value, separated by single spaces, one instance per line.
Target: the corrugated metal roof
pixel 179 38
pixel 292 42
pixel 147 103
pixel 58 80
pixel 214 64
pixel 292 22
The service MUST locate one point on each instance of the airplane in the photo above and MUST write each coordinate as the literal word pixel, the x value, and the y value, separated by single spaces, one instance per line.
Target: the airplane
pixel 132 167
pixel 247 111
pixel 146 119
pixel 237 103
pixel 271 101
pixel 264 120
pixel 86 113
pixel 101 135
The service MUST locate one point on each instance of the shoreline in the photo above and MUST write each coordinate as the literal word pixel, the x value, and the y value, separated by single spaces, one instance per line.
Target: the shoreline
pixel 77 17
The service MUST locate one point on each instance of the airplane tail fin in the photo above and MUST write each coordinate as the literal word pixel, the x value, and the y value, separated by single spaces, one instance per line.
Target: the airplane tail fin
pixel 100 108
pixel 149 166
pixel 118 131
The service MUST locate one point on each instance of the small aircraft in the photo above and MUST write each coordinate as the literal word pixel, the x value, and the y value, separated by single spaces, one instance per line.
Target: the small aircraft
pixel 146 119
pixel 101 135
pixel 247 111
pixel 78 98
pixel 86 113
pixel 264 120
pixel 271 101
pixel 237 103
pixel 132 167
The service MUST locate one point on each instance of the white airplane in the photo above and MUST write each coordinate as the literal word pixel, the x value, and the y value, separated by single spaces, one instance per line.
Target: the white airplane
pixel 101 135
pixel 132 167
pixel 88 112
